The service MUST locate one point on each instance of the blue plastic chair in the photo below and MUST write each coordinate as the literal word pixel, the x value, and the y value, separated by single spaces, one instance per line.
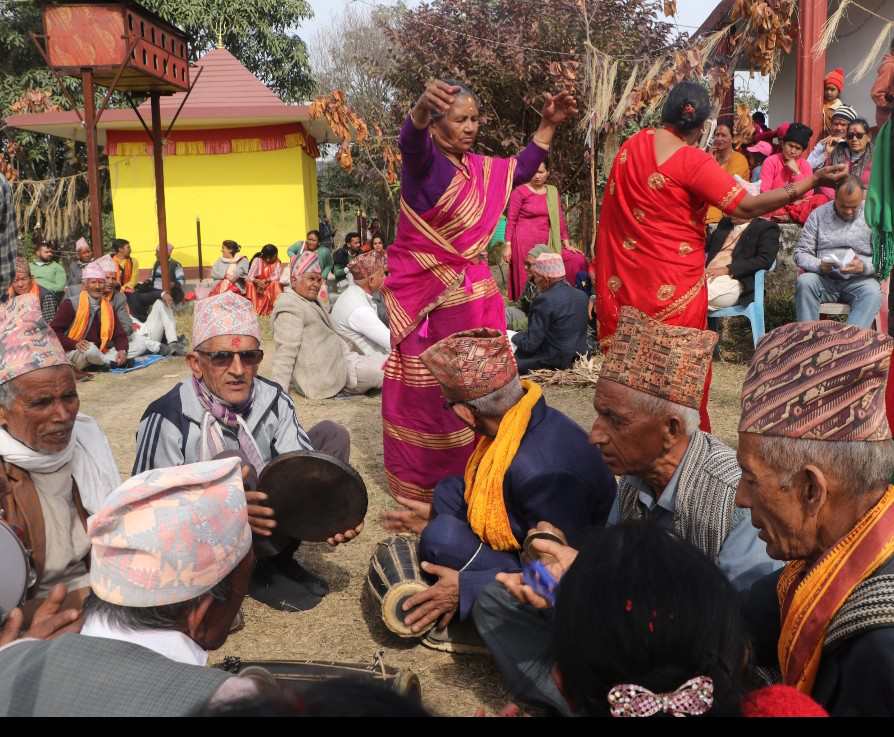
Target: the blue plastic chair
pixel 753 311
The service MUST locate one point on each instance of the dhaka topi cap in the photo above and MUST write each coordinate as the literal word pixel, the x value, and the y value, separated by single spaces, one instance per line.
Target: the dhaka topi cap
pixel 836 79
pixel 846 112
pixel 305 263
pixel 818 380
pixel 23 268
pixel 798 133
pixel 93 270
pixel 535 252
pixel 762 147
pixel 169 535
pixel 665 361
pixel 549 265
pixel 81 243
pixel 107 264
pixel 26 341
pixel 366 264
pixel 224 314
pixel 471 364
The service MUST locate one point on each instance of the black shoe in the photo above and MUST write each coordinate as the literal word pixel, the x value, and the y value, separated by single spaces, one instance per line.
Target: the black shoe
pixel 269 586
pixel 292 569
pixel 164 349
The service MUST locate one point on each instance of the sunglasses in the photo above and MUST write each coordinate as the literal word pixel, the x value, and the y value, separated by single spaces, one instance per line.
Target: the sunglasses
pixel 223 359
pixel 858 136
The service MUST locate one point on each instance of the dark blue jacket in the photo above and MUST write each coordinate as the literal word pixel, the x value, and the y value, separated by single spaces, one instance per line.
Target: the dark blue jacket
pixel 556 477
pixel 557 327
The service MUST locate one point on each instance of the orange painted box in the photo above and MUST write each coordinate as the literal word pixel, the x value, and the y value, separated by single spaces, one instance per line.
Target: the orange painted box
pixel 106 35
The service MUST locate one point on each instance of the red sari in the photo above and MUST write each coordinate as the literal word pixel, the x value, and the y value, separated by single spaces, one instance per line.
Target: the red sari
pixel 263 299
pixel 650 250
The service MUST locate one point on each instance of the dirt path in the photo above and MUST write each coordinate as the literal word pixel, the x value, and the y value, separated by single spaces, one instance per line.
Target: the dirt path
pixel 345 626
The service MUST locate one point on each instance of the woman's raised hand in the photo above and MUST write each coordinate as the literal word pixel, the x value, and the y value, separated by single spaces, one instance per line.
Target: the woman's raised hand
pixel 438 97
pixel 557 109
pixel 829 176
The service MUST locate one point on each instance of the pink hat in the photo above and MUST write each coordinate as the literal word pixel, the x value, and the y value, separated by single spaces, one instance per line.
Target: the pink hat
pixel 107 264
pixel 761 148
pixel 307 263
pixel 224 314
pixel 93 270
pixel 366 264
pixel 81 243
pixel 549 265
pixel 169 535
pixel 26 341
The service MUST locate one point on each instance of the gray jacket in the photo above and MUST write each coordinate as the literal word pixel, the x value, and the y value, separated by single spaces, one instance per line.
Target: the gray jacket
pixel 80 676
pixel 826 233
pixel 171 427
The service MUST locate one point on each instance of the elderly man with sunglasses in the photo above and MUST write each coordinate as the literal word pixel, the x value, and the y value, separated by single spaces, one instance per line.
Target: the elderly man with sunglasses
pixel 226 406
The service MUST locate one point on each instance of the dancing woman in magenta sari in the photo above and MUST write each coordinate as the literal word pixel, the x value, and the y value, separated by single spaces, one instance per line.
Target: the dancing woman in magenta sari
pixel 440 282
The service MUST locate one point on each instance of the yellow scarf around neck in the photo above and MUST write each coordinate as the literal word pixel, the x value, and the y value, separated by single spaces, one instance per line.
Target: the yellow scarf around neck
pixel 81 322
pixel 488 466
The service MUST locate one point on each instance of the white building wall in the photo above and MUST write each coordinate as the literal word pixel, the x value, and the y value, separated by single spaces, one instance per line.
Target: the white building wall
pixel 856 35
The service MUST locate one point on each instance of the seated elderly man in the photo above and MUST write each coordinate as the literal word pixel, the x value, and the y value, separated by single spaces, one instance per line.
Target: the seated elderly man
pixel 672 474
pixel 84 255
pixel 355 313
pixel 23 284
pixel 143 648
pixel 532 463
pixel 557 322
pixel 310 352
pixel 87 325
pixel 835 252
pixel 817 464
pixel 56 466
pixel 226 406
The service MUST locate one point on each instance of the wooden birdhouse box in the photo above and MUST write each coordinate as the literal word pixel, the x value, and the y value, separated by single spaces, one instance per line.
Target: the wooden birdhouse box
pixel 119 41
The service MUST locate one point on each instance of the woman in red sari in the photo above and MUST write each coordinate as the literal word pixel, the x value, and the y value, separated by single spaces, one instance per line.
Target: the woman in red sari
pixel 263 285
pixel 439 281
pixel 650 250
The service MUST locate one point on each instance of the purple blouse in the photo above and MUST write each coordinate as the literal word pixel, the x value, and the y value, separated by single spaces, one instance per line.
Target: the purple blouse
pixel 427 172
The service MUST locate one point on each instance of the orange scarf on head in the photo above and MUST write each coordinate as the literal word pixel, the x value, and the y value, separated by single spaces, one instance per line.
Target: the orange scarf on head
pixel 487 467
pixel 126 265
pixel 81 322
pixel 809 599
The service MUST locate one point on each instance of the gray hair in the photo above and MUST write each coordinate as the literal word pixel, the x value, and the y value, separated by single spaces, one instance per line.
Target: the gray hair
pixel 858 466
pixel 167 617
pixel 7 394
pixel 657 407
pixel 498 403
pixel 464 91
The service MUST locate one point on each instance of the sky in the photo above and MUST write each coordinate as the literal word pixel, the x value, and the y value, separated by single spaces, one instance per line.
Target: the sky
pixel 690 15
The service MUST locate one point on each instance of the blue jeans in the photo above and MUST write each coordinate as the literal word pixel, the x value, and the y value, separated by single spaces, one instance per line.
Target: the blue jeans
pixel 863 294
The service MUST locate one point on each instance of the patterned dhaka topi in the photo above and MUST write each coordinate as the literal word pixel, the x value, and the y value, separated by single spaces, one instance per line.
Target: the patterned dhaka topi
pixel 93 270
pixel 366 264
pixel 471 364
pixel 169 535
pixel 665 361
pixel 26 341
pixel 107 264
pixel 549 265
pixel 224 314
pixel 818 381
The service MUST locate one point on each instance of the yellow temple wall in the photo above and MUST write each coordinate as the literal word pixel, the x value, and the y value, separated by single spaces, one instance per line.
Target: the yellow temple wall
pixel 252 198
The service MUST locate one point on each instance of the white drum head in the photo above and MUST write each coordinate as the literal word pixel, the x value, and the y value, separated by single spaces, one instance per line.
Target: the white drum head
pixel 13 570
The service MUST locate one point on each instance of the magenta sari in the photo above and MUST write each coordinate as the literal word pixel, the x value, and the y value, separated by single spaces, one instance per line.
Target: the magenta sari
pixel 439 284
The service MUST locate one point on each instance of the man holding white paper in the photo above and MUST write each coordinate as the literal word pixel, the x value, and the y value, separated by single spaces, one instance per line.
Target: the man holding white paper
pixel 835 254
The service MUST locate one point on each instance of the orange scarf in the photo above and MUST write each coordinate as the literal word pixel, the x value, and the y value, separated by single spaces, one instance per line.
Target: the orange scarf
pixel 126 265
pixel 81 322
pixel 809 599
pixel 34 291
pixel 487 468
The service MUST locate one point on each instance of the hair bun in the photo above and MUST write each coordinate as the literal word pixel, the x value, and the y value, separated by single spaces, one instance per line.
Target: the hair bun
pixel 687 111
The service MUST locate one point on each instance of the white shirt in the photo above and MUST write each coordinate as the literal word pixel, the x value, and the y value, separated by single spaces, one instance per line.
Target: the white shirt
pixel 356 318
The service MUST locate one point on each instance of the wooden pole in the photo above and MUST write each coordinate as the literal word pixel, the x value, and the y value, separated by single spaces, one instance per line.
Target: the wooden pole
pixel 811 69
pixel 199 241
pixel 157 152
pixel 92 162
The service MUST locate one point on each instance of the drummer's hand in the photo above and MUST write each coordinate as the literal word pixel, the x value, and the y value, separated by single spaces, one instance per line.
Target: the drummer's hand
pixel 48 621
pixel 346 536
pixel 438 603
pixel 260 517
pixel 412 519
